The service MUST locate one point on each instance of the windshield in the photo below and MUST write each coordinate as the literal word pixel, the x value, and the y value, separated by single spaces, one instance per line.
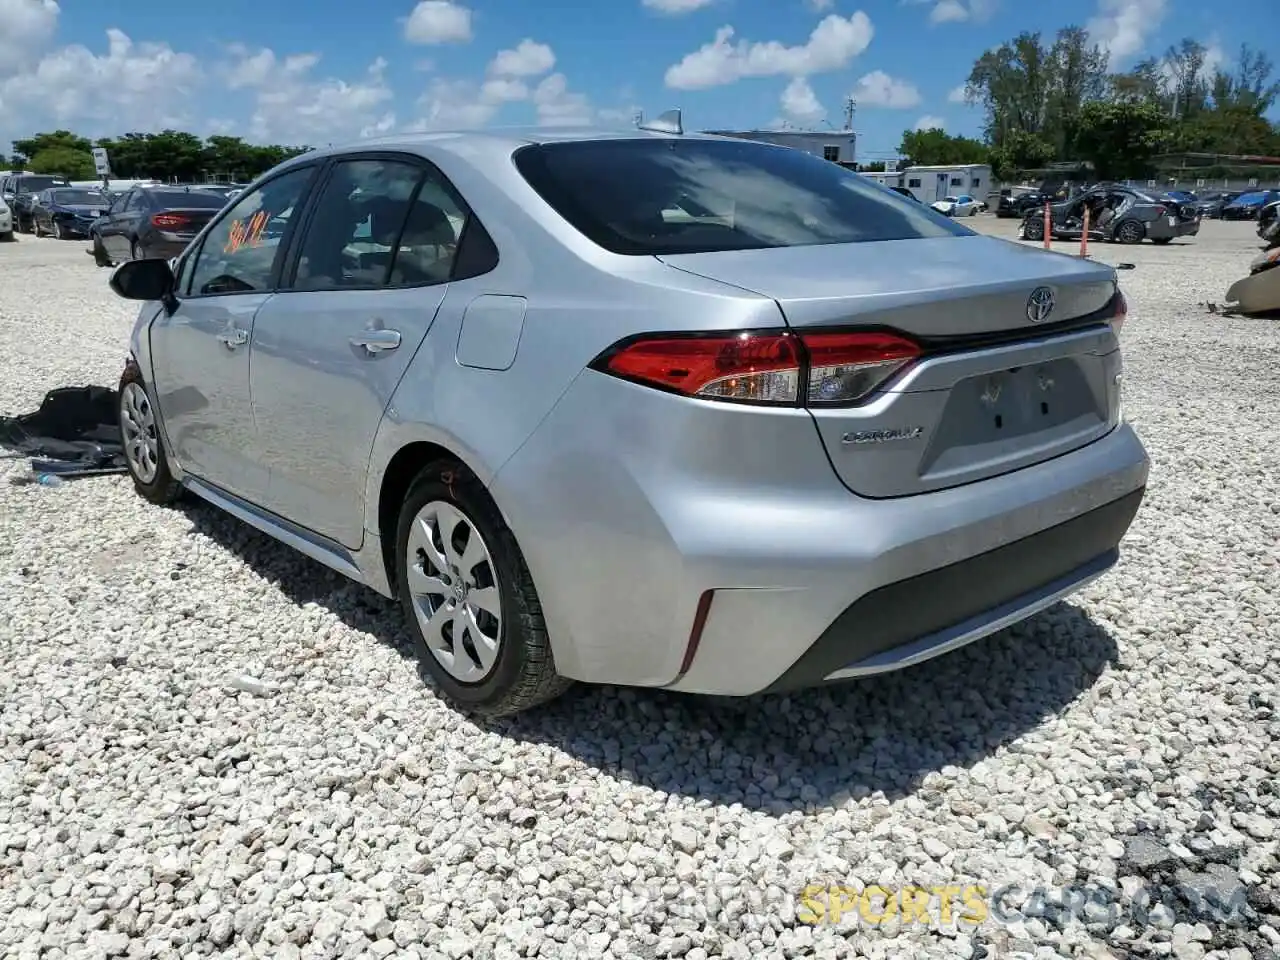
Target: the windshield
pixel 653 197
pixel 88 197
pixel 36 184
pixel 195 198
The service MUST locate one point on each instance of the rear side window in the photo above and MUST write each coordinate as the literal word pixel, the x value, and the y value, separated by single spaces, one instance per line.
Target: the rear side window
pixel 653 196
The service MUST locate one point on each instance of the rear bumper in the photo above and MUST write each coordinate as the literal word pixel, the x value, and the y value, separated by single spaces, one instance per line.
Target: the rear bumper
pixel 162 248
pixel 1161 230
pixel 919 618
pixel 641 514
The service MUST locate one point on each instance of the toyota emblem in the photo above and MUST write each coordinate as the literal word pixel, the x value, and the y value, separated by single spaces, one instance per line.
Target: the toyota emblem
pixel 1040 304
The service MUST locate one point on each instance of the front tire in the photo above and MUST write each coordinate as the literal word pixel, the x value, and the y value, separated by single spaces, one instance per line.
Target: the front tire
pixel 100 253
pixel 143 446
pixel 469 599
pixel 1033 230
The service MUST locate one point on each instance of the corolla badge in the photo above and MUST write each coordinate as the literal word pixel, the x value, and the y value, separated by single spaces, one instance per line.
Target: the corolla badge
pixel 1040 304
pixel 882 436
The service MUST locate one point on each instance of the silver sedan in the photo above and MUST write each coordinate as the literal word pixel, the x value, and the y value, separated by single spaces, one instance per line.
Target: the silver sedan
pixel 638 407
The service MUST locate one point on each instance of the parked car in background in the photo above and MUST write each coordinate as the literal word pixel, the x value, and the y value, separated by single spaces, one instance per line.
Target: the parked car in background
pixel 961 206
pixel 67 212
pixel 1116 213
pixel 1013 205
pixel 18 191
pixel 1247 206
pixel 154 221
pixel 6 221
pixel 495 373
pixel 1210 204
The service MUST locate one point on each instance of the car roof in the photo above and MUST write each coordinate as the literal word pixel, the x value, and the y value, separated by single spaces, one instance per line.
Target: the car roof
pixel 507 139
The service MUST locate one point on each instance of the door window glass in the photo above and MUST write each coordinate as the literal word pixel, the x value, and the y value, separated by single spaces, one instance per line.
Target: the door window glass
pixel 239 253
pixel 350 240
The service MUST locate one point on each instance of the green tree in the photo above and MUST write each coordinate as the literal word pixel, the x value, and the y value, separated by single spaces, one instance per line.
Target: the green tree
pixel 875 166
pixel 63 161
pixel 1121 137
pixel 1025 151
pixel 936 147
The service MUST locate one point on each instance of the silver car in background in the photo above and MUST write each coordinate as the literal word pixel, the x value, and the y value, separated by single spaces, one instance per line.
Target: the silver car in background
pixel 639 408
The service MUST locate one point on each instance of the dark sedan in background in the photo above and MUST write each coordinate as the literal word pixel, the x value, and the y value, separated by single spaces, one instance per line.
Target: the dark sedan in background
pixel 156 221
pixel 1011 206
pixel 1247 206
pixel 1116 213
pixel 67 212
pixel 1211 204
pixel 20 189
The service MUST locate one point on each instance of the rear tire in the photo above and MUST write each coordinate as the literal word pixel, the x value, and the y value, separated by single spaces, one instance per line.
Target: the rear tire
pixel 57 230
pixel 517 672
pixel 143 443
pixel 1131 231
pixel 35 228
pixel 133 250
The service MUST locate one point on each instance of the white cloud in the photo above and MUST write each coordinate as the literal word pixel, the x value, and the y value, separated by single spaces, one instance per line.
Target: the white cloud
pixel 28 26
pixel 957 95
pixel 527 59
pixel 949 11
pixel 878 89
pixel 800 103
pixel 930 122
pixel 956 11
pixel 131 86
pixel 438 21
pixel 291 105
pixel 677 7
pixel 558 106
pixel 1123 27
pixel 834 42
pixel 453 103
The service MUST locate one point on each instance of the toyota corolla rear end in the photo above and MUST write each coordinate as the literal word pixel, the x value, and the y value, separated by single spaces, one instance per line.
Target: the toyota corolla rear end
pixel 852 434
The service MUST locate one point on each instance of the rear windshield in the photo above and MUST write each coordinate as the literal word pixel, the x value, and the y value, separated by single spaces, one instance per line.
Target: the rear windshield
pixel 79 196
pixel 36 184
pixel 655 197
pixel 193 198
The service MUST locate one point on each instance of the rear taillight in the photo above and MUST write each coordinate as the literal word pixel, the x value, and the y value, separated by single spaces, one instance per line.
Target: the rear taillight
pixel 168 221
pixel 775 367
pixel 1121 313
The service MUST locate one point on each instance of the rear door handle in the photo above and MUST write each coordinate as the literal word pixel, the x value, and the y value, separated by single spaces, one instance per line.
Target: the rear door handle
pixel 377 341
pixel 233 338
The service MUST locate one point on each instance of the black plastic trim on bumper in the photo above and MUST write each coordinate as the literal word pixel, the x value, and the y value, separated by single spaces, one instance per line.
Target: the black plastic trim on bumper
pixel 902 612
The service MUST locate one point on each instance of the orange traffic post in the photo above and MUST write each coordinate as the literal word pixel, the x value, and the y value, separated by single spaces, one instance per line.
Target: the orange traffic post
pixel 1084 236
pixel 1048 227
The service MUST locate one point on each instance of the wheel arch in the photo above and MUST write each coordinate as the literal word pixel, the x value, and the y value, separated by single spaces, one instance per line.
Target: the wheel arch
pixel 403 466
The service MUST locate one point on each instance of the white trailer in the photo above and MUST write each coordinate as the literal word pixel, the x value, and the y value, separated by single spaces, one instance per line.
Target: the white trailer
pixel 928 184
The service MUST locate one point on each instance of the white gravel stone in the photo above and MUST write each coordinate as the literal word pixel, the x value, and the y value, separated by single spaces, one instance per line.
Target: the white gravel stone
pixel 211 746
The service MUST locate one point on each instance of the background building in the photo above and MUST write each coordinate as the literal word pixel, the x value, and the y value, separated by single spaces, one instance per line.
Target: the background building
pixel 835 145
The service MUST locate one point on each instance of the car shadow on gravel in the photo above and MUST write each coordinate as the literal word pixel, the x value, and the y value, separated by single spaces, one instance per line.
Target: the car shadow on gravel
pixel 778 753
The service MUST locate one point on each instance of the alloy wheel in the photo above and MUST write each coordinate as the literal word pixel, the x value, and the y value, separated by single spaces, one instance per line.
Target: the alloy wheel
pixel 453 586
pixel 141 443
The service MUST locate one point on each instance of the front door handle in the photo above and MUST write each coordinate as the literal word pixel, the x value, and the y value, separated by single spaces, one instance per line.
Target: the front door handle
pixel 377 341
pixel 233 338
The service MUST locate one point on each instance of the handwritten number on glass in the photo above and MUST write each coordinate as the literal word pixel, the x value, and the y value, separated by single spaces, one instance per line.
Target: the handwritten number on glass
pixel 246 235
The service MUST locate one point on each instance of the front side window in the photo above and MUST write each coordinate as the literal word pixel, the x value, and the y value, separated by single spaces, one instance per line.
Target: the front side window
pixel 239 253
pixel 654 197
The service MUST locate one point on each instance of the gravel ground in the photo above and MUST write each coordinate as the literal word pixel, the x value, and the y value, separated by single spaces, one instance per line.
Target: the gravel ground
pixel 211 746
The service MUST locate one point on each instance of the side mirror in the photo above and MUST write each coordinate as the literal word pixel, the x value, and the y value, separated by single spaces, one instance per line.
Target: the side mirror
pixel 150 279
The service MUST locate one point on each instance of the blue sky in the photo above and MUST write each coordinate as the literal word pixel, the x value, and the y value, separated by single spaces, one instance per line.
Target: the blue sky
pixel 329 70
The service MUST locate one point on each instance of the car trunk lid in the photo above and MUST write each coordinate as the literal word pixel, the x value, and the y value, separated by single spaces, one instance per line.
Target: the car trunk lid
pixel 183 221
pixel 995 390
